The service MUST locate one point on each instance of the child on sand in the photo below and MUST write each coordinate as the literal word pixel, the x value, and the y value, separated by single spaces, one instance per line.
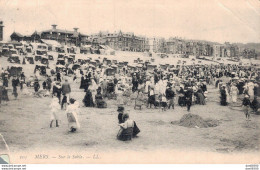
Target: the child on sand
pixel 55 106
pixel 163 103
pixel 246 105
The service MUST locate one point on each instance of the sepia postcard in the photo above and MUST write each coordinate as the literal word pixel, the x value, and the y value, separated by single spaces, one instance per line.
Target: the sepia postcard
pixel 129 81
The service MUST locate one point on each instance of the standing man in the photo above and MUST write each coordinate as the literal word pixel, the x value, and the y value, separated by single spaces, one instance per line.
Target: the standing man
pixel 49 82
pixel 15 83
pixel 188 97
pixel 170 96
pixel 58 76
pixel 65 89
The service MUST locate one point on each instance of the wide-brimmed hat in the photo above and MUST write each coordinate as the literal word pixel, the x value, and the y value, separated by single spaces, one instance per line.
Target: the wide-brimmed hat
pixel 120 108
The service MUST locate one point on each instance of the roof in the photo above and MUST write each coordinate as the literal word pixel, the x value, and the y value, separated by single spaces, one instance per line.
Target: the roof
pixel 59 31
pixel 61 66
pixel 17 34
pixel 83 35
pixel 51 42
pixel 103 46
pixel 41 65
pixel 40 50
pixel 16 66
pixel 44 57
pixel 36 33
pixel 86 46
pixel 75 35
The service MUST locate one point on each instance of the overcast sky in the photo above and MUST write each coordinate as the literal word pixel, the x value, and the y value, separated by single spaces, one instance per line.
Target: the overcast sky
pixel 214 20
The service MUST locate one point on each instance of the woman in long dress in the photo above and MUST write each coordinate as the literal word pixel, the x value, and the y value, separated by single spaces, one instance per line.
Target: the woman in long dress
pixel 233 92
pixel 88 99
pixel 93 88
pixel 72 115
pixel 250 88
pixel 223 96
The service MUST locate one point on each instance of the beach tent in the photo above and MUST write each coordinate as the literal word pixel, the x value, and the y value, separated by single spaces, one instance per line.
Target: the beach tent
pixel 85 49
pixel 15 70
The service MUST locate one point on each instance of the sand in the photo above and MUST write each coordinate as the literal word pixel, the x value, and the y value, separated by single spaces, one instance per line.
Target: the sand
pixel 25 127
pixel 195 121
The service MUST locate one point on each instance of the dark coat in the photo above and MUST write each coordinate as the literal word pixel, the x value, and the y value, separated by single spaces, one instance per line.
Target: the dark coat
pixel 65 88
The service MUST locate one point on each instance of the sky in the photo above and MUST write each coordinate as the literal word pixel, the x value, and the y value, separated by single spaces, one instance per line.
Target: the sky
pixel 213 20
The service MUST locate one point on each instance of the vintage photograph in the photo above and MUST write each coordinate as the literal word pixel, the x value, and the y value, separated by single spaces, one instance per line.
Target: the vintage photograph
pixel 129 81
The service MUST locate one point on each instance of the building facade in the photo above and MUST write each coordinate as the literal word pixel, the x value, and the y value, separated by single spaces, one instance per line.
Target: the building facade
pixel 128 41
pixel 1 30
pixel 158 45
pixel 62 36
pixel 120 41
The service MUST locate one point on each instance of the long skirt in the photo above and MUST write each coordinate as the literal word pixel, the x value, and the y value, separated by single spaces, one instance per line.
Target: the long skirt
pixel 223 100
pixel 5 95
pixel 181 101
pixel 101 103
pixel 201 99
pixel 125 134
pixel 73 121
pixel 15 91
pixel 136 130
pixel 251 94
pixel 234 98
pixel 151 99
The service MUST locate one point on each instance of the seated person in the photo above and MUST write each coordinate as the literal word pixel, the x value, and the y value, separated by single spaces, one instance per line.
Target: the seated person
pixel 126 129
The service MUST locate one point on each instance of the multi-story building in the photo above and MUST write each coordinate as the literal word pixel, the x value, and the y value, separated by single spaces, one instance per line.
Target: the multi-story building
pixel 64 37
pixel 147 46
pixel 159 45
pixel 225 50
pixel 119 41
pixel 218 50
pixel 175 46
pixel 249 53
pixel 231 50
pixel 1 30
pixel 128 41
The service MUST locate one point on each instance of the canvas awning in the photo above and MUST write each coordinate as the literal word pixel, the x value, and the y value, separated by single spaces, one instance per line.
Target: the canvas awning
pixel 86 46
pixel 51 43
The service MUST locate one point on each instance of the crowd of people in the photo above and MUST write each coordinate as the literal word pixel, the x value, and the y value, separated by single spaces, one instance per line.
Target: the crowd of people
pixel 157 88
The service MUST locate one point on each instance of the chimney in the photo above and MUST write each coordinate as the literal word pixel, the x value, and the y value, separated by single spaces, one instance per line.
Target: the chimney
pixel 54 26
pixel 76 29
